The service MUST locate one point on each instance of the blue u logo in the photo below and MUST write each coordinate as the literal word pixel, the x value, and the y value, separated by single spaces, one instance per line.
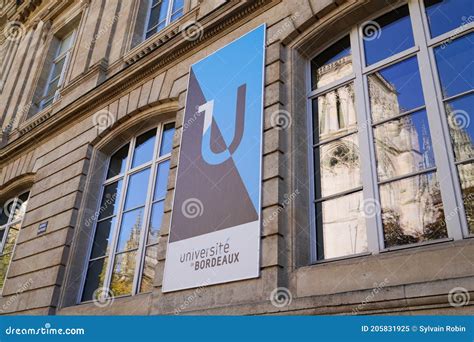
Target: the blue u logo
pixel 210 156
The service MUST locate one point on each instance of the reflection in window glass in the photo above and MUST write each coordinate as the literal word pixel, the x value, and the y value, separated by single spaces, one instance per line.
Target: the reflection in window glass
pixel 129 237
pixel 161 181
pixel 167 139
pixel 461 126
pixel 395 89
pixel 447 15
pixel 403 146
pixel 332 64
pixel 388 35
pixel 151 259
pixel 337 166
pixel 121 222
pixel 123 273
pixel 110 200
pixel 466 177
pixel 95 278
pixel 103 238
pixel 155 222
pixel 137 189
pixel 118 162
pixel 144 147
pixel 334 113
pixel 412 210
pixel 455 65
pixel 344 230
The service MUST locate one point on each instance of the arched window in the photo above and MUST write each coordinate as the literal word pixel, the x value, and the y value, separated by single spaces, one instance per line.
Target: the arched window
pixel 384 175
pixel 123 253
pixel 11 216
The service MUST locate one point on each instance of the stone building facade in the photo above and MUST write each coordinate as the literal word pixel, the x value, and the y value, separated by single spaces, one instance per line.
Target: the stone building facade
pixel 79 80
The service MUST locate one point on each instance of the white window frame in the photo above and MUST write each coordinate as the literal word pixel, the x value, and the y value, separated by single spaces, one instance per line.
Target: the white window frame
pixel 169 15
pixel 140 257
pixel 423 49
pixel 66 55
pixel 6 227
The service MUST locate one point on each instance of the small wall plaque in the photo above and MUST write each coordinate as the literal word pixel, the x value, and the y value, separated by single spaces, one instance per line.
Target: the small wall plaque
pixel 42 227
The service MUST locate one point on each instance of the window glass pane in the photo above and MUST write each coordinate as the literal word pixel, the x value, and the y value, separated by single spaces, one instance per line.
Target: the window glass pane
pixel 110 200
pixel 52 87
pixel 337 166
pixel 130 228
pixel 161 180
pixel 395 90
pixel 155 222
pixel 66 44
pixel 466 177
pixel 95 278
pixel 3 214
pixel 388 35
pixel 403 146
pixel 103 238
pixel 343 227
pixel 118 162
pixel 149 265
pixel 176 15
pixel 460 126
pixel 11 238
pixel 164 10
pixel 144 148
pixel 333 64
pixel 446 15
pixel 137 189
pixel 153 20
pixel 123 272
pixel 412 210
pixel 4 263
pixel 334 113
pixel 58 68
pixel 20 207
pixel 177 4
pixel 455 65
pixel 167 139
pixel 46 103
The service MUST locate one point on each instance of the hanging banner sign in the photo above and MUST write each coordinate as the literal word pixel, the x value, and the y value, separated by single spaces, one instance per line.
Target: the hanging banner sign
pixel 215 224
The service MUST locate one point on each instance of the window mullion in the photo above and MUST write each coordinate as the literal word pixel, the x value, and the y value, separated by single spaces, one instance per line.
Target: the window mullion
pixel 367 154
pixel 441 145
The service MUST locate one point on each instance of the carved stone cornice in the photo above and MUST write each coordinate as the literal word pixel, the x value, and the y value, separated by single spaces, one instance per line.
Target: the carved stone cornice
pixel 225 18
